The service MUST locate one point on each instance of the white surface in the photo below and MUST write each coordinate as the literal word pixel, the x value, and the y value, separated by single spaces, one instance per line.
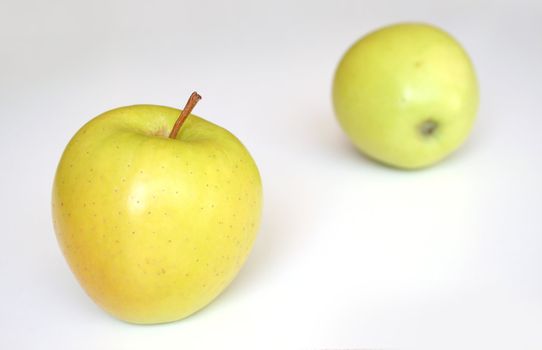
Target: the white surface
pixel 350 254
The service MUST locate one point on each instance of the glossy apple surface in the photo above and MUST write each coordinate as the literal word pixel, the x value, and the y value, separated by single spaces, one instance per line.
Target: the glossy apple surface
pixel 406 95
pixel 155 228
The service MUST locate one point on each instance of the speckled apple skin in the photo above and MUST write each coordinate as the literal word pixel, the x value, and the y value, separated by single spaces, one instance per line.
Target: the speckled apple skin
pixel 155 228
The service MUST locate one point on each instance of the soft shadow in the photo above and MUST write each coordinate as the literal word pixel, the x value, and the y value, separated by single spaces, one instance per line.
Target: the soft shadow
pixel 267 249
pixel 328 137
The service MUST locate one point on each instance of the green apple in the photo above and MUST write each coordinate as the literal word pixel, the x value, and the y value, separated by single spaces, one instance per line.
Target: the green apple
pixel 155 225
pixel 406 95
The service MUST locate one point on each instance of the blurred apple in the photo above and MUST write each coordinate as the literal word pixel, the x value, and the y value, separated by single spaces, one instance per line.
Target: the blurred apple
pixel 406 95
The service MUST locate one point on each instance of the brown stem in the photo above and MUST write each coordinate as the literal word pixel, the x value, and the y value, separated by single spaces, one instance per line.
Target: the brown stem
pixel 190 104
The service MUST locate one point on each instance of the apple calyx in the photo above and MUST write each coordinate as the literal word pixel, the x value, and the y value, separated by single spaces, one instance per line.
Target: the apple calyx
pixel 428 127
pixel 190 104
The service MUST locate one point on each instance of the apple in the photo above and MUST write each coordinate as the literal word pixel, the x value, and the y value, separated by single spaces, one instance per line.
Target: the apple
pixel 155 224
pixel 406 95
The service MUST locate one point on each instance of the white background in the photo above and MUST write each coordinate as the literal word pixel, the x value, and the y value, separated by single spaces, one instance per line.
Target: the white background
pixel 350 254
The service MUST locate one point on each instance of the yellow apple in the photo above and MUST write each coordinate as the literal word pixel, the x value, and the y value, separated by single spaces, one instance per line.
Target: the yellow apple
pixel 406 95
pixel 153 226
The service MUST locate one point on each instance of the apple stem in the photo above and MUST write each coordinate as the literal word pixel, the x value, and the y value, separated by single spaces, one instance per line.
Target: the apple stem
pixel 190 104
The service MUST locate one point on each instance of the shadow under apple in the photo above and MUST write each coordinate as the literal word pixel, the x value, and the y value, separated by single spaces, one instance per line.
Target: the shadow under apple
pixel 268 247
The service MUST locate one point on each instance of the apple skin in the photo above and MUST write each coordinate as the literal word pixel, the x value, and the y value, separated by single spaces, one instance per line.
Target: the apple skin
pixel 406 95
pixel 155 228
